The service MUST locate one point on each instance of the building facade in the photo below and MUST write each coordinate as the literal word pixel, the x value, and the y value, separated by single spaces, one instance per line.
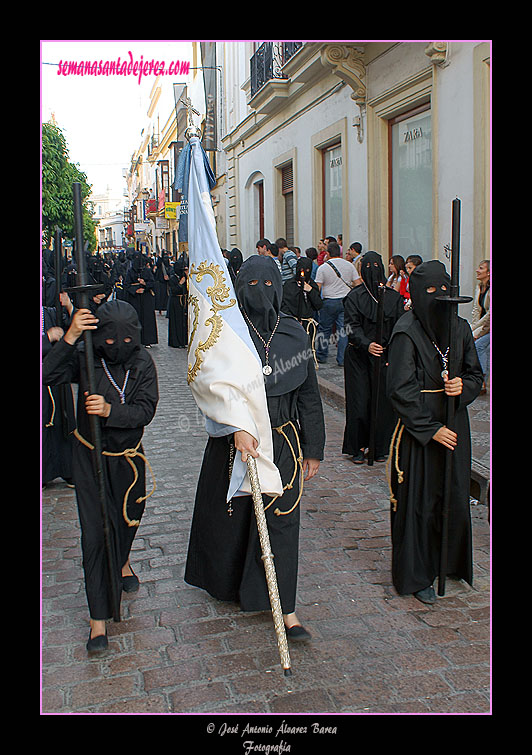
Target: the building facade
pixel 109 212
pixel 152 213
pixel 370 140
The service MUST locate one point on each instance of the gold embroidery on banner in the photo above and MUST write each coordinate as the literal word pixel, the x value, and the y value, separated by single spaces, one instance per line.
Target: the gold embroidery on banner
pixel 193 300
pixel 218 292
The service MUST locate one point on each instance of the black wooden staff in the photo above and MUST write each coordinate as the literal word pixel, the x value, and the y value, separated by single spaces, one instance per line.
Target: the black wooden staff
pixel 61 389
pixel 453 299
pixel 57 267
pixel 377 361
pixel 96 434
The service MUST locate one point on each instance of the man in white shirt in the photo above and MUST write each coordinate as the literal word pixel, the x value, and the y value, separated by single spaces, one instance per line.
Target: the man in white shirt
pixel 335 278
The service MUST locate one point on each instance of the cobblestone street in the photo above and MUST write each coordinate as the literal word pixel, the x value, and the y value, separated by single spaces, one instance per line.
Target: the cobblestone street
pixel 177 650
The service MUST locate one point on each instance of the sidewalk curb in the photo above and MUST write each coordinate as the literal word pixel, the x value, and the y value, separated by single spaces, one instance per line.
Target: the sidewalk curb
pixel 332 394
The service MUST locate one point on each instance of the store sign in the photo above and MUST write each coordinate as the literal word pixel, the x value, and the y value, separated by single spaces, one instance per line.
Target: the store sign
pixel 171 210
pixel 150 206
pixel 142 227
pixel 414 133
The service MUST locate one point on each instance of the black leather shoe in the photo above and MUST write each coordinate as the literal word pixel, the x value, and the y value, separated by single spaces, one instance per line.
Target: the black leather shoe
pixel 358 458
pixel 130 583
pixel 427 595
pixel 297 633
pixel 97 644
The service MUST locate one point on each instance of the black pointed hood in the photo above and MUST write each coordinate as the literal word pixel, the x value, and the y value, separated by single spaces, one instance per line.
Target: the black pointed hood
pixel 261 301
pixel 431 313
pixel 117 320
pixel 303 269
pixel 259 289
pixel 372 272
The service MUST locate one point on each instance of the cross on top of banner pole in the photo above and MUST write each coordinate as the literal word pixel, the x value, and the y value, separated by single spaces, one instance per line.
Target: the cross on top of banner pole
pixel 191 129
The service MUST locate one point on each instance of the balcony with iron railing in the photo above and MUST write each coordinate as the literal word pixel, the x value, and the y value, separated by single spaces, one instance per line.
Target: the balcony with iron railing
pixel 268 61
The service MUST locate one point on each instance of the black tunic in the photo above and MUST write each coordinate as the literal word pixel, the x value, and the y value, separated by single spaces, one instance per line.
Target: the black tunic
pixel 123 429
pixel 177 312
pixel 160 285
pixel 301 304
pixel 118 277
pixel 414 387
pixel 144 303
pixel 361 325
pixel 58 419
pixel 224 555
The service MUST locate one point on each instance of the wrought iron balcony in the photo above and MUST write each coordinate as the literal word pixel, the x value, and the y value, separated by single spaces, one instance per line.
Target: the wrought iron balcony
pixel 267 62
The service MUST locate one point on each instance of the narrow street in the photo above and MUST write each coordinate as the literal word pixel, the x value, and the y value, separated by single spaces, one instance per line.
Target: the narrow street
pixel 177 650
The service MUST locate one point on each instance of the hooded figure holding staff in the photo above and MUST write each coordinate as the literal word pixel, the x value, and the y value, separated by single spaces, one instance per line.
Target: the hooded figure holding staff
pixel 419 387
pixel 224 555
pixel 125 399
pixel 251 373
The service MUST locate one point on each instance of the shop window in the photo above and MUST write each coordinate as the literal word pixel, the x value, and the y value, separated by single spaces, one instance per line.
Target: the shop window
pixel 332 190
pixel 410 154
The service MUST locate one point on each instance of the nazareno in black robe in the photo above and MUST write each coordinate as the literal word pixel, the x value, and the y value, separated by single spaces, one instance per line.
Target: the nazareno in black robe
pixel 58 417
pixel 360 322
pixel 414 386
pixel 301 304
pixel 144 303
pixel 118 276
pixel 123 429
pixel 160 283
pixel 177 308
pixel 224 553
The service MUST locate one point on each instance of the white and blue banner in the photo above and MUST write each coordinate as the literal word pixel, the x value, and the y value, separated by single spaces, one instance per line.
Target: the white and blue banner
pixel 224 369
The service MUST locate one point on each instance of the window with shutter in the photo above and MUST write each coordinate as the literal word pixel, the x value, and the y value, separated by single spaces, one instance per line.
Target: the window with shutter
pixel 287 188
pixel 287 179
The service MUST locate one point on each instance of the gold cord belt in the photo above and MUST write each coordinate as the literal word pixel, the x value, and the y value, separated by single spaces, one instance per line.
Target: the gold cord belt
pixel 394 452
pixel 394 447
pixel 128 454
pixel 311 323
pixel 51 423
pixel 297 465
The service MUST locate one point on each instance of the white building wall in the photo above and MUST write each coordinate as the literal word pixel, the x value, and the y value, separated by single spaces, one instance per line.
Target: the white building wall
pixel 292 133
pixel 453 128
pixel 297 135
pixel 455 157
pixel 234 58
